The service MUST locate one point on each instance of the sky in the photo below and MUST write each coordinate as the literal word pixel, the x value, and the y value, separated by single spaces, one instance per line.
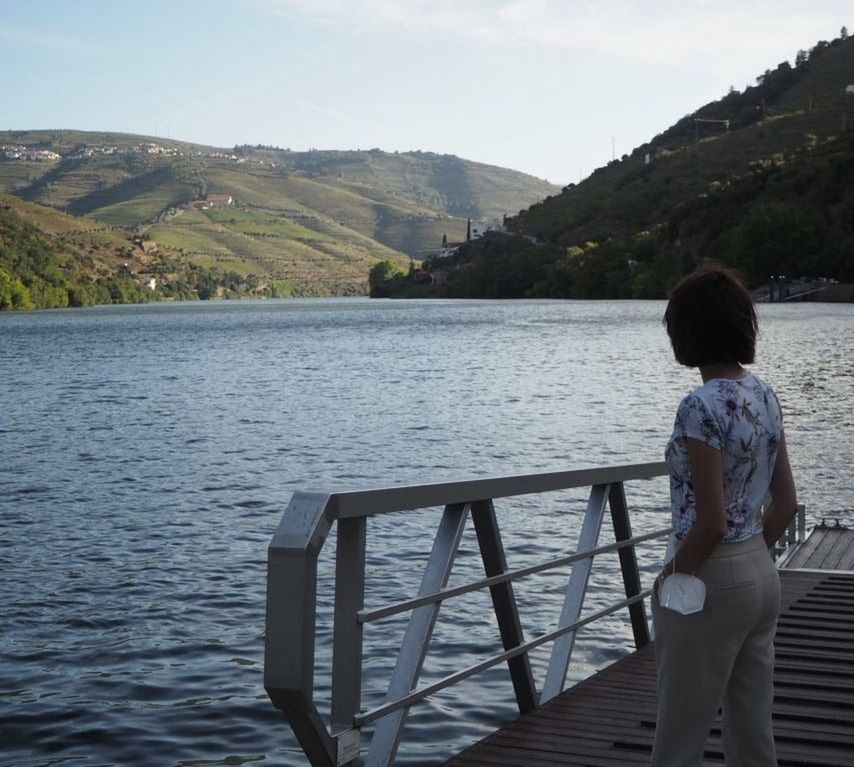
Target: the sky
pixel 553 88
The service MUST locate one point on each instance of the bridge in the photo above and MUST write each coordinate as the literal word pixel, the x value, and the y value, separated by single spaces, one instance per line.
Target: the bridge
pixel 783 289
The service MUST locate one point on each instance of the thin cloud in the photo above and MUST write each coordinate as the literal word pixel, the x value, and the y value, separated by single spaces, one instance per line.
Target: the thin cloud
pixel 47 40
pixel 329 112
pixel 697 32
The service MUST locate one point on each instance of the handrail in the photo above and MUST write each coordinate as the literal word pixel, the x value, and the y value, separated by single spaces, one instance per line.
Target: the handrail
pixel 796 533
pixel 368 616
pixel 364 503
pixel 292 584
pixel 459 676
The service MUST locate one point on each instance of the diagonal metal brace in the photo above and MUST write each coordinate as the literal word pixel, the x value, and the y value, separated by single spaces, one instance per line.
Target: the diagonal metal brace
pixel 575 593
pixel 504 603
pixel 410 659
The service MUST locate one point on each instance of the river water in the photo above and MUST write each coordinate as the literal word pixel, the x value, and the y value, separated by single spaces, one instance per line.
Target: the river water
pixel 147 454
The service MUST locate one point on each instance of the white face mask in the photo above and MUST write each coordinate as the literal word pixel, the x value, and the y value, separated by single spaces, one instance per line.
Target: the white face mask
pixel 683 593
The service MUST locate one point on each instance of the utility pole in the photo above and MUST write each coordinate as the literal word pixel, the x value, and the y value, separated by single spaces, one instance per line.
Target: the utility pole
pixel 846 100
pixel 613 148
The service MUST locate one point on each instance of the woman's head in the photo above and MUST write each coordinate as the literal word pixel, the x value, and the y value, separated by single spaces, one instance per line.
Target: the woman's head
pixel 710 319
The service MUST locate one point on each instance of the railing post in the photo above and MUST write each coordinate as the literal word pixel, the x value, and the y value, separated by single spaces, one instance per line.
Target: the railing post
pixel 575 593
pixel 347 634
pixel 628 562
pixel 410 659
pixel 504 603
pixel 290 627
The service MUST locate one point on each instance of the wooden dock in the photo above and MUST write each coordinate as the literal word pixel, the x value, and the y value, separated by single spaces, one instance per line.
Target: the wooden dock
pixel 829 547
pixel 608 720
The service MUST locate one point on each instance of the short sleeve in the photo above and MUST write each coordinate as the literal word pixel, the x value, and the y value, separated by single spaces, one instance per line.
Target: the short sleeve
pixel 775 409
pixel 694 420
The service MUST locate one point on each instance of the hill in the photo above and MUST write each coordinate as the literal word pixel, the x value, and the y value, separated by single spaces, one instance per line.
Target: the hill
pixel 760 179
pixel 316 220
pixel 50 259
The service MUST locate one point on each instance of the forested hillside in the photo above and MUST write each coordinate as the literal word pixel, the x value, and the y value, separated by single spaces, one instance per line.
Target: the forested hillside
pixel 50 260
pixel 762 180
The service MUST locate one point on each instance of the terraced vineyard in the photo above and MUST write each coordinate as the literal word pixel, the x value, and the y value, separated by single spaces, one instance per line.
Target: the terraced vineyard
pixel 317 220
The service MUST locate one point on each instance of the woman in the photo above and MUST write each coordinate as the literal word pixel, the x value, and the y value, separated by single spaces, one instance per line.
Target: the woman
pixel 726 454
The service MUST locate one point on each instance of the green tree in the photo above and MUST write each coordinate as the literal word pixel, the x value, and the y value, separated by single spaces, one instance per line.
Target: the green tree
pixel 777 238
pixel 13 292
pixel 45 295
pixel 279 289
pixel 383 271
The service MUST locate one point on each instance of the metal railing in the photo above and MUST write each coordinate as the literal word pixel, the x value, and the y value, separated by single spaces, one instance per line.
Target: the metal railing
pixel 795 533
pixel 292 583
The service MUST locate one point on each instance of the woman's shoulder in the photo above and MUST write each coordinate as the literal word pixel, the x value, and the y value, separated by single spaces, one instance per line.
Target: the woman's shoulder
pixel 713 389
pixel 693 399
pixel 764 392
pixel 696 405
pixel 725 398
pixel 760 388
pixel 722 394
pixel 718 386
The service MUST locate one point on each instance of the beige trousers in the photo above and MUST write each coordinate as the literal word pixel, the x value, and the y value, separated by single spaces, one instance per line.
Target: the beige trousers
pixel 722 655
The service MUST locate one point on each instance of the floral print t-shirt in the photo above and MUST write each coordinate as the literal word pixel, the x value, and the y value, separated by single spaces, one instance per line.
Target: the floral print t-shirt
pixel 741 418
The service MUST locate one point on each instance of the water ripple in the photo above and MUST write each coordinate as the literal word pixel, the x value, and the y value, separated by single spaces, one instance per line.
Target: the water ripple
pixel 147 453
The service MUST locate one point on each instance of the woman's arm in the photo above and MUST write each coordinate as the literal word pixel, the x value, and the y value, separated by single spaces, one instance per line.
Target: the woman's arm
pixel 710 526
pixel 784 498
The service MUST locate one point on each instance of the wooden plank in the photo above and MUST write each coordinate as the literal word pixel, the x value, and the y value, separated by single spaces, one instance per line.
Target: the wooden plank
pixel 834 590
pixel 817 611
pixel 816 649
pixel 825 545
pixel 840 623
pixel 839 578
pixel 790 662
pixel 843 540
pixel 828 636
pixel 846 557
pixel 840 591
pixel 806 549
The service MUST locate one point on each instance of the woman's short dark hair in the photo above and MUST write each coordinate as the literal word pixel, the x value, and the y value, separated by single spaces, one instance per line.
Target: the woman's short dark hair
pixel 710 318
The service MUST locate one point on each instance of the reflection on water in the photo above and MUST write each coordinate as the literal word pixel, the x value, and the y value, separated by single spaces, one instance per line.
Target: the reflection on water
pixel 147 453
